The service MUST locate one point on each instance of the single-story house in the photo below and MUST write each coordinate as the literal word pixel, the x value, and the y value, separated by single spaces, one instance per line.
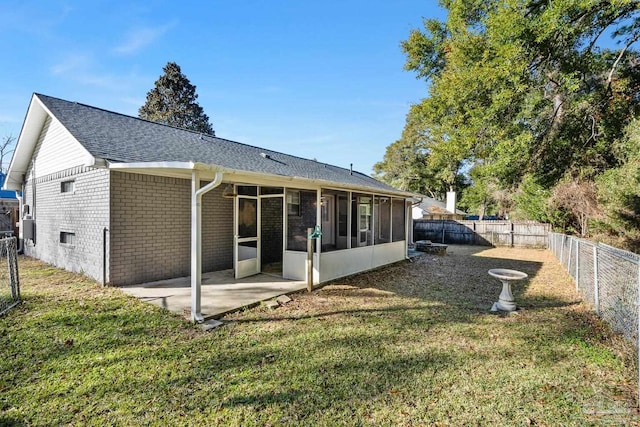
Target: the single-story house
pixel 129 201
pixel 430 208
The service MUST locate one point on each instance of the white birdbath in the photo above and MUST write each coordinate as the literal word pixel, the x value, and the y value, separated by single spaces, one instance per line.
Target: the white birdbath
pixel 505 301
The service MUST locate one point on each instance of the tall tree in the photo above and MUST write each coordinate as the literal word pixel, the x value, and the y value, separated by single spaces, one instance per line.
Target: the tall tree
pixel 522 88
pixel 173 101
pixel 412 163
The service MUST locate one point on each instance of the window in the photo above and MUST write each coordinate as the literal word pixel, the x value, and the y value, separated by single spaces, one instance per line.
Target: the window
pixel 293 203
pixel 398 220
pixel 264 191
pixel 382 218
pixel 361 221
pixel 334 210
pixel 67 186
pixel 67 238
pixel 343 220
pixel 297 225
pixel 247 190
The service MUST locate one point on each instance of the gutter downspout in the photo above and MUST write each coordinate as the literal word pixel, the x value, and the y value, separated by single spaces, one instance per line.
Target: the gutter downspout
pixel 20 230
pixel 196 239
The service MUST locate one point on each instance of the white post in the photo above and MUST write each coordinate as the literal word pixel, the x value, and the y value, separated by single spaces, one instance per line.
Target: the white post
pixel 309 260
pixel 596 290
pixel 577 264
pixel 569 257
pixel 349 218
pixel 196 248
pixel 317 263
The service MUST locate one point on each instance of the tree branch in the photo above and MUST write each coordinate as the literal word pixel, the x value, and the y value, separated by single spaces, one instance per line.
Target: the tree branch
pixel 617 62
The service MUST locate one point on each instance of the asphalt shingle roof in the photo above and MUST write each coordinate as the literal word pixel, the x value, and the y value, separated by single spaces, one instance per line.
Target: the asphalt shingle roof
pixel 120 138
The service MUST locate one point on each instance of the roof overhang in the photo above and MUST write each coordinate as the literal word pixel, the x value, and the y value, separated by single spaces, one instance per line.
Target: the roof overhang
pixel 29 134
pixel 168 169
pixel 32 126
pixel 184 170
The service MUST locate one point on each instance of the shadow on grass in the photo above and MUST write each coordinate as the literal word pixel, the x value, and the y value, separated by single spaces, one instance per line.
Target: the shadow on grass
pixel 451 288
pixel 71 359
pixel 459 279
pixel 10 422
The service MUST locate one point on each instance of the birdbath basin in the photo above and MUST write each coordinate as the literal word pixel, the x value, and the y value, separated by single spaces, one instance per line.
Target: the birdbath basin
pixel 506 276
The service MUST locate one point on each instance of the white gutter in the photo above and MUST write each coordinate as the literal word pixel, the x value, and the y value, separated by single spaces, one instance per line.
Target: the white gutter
pixel 258 176
pixel 196 239
pixel 155 165
pixel 20 228
pixel 196 214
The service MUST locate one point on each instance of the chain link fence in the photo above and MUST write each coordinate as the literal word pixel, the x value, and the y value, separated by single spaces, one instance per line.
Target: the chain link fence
pixel 9 278
pixel 608 278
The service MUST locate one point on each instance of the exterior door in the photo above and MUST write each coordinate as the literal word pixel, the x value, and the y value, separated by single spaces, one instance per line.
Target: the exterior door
pixel 328 220
pixel 247 237
pixel 364 222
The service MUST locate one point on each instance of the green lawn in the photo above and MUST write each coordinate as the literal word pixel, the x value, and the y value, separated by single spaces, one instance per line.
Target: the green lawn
pixel 411 344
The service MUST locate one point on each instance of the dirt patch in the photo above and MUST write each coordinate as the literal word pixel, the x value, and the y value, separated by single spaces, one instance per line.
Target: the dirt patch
pixel 461 278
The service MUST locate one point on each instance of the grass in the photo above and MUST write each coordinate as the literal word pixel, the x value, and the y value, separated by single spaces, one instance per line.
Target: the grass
pixel 411 344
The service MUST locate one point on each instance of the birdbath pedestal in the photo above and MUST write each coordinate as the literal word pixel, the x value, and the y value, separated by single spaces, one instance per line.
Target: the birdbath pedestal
pixel 505 300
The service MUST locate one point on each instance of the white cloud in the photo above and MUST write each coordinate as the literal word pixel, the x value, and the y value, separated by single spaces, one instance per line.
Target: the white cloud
pixel 71 63
pixel 77 67
pixel 83 69
pixel 140 38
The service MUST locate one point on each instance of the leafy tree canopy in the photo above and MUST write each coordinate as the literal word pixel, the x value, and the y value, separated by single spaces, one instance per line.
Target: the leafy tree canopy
pixel 173 101
pixel 522 88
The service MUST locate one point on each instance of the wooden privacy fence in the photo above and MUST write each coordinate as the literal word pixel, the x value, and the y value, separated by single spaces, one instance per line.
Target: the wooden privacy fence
pixel 489 233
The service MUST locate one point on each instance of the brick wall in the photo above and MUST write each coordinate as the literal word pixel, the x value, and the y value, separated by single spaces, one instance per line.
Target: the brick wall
pixel 83 212
pixel 217 231
pixel 151 229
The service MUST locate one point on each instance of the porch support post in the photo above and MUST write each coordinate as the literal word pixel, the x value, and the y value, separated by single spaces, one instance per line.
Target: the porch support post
pixel 196 240
pixel 349 217
pixel 317 264
pixel 196 247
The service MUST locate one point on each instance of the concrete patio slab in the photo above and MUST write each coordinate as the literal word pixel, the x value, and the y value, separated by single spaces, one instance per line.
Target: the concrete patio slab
pixel 221 293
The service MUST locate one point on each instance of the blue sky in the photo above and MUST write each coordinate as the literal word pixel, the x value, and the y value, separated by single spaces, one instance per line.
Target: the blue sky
pixel 319 80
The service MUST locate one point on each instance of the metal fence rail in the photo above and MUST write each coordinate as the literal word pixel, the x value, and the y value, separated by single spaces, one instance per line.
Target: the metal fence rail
pixel 608 278
pixel 9 277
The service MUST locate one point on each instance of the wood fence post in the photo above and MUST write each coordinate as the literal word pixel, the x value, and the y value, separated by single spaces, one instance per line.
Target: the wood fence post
pixel 475 234
pixel 512 234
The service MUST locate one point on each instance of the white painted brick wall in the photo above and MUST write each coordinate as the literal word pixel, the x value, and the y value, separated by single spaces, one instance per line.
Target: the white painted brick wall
pixel 84 212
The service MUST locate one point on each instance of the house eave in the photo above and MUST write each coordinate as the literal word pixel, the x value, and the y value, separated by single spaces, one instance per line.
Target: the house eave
pixel 32 126
pixel 27 140
pixel 183 170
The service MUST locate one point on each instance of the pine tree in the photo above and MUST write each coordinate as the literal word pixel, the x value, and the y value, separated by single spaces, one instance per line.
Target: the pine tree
pixel 173 102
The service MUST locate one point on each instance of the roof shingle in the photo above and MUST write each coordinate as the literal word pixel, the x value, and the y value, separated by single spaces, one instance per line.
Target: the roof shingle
pixel 120 138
